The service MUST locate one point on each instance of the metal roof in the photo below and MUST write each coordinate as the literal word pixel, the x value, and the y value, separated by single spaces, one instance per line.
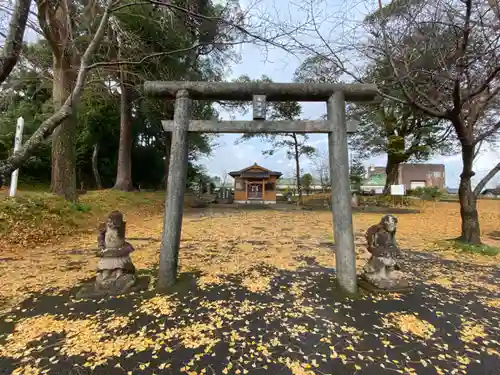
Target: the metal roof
pixel 375 180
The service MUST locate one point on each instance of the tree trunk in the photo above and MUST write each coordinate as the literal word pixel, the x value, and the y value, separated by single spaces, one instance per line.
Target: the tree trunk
pixel 124 165
pixel 13 43
pixel 297 167
pixel 392 174
pixel 95 164
pixel 471 232
pixel 63 180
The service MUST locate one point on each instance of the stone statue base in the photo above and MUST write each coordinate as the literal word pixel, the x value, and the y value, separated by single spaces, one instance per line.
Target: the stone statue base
pixel 382 273
pixel 386 284
pixel 368 286
pixel 125 284
pixel 115 284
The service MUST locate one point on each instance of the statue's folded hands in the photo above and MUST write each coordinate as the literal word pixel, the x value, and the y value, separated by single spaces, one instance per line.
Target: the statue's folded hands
pixel 123 251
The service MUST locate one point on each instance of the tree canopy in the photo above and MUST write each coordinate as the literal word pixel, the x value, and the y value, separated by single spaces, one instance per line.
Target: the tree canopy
pixel 148 51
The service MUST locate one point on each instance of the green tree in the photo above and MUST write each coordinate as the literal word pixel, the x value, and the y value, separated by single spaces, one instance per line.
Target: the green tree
pixel 357 173
pixel 198 37
pixel 307 180
pixel 28 93
pixel 58 22
pixel 82 34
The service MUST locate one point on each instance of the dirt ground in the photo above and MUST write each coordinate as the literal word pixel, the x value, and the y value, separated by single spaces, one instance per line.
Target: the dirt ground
pixel 257 295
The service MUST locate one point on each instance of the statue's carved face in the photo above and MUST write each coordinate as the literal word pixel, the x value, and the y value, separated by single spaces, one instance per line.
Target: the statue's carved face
pixel 390 223
pixel 115 220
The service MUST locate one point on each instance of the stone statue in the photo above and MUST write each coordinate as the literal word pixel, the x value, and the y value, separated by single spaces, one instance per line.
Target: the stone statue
pixel 115 270
pixel 383 270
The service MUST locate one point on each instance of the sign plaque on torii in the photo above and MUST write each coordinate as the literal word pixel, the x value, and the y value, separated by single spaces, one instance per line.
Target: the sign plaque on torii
pixel 335 126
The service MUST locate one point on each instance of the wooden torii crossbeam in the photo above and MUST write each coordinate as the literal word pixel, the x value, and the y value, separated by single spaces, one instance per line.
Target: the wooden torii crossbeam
pixel 336 126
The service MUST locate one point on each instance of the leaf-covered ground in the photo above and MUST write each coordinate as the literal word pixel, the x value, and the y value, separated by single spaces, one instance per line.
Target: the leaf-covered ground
pixel 256 295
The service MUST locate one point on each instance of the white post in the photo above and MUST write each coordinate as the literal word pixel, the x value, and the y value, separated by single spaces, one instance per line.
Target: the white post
pixel 17 145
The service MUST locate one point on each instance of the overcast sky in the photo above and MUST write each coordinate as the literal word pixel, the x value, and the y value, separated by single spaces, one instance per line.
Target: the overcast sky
pixel 280 67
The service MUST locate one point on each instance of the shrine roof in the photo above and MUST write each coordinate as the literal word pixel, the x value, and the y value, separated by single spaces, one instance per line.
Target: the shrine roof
pixel 255 171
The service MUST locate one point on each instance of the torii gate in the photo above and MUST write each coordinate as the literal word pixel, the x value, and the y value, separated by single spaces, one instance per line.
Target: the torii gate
pixel 334 94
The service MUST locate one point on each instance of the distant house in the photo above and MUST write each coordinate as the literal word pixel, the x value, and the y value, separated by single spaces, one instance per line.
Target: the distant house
pixel 226 185
pixel 374 183
pixel 412 176
pixel 255 184
pixel 450 190
pixel 491 193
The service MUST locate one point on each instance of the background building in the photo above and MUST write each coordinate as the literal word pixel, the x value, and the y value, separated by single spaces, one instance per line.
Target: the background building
pixel 412 176
pixel 255 184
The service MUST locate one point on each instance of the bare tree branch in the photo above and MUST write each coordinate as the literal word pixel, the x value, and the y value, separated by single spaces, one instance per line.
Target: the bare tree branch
pixel 151 56
pixel 14 38
pixel 485 135
pixel 480 186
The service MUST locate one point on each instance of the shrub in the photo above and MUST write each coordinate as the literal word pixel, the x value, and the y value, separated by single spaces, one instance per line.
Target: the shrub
pixel 80 207
pixel 384 201
pixel 428 193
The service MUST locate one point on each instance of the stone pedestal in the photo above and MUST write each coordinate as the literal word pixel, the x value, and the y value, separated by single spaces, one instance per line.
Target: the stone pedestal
pixel 114 285
pixel 382 274
pixel 368 286
pixel 123 285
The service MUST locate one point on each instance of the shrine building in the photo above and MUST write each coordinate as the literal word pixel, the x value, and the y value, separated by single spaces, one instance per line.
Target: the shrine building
pixel 255 184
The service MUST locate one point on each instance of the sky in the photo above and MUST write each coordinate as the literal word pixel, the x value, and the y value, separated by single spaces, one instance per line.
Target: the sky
pixel 280 67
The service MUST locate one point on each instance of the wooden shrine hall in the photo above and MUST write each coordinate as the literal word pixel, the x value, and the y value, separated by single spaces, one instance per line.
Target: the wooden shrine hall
pixel 255 184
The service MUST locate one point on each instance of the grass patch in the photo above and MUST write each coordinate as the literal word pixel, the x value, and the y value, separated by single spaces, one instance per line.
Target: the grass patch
pixel 80 207
pixel 36 217
pixel 460 246
pixel 477 249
